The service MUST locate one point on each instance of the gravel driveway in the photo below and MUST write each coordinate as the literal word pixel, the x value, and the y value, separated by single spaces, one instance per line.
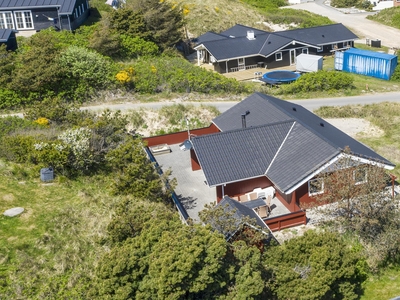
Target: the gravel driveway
pixel 356 22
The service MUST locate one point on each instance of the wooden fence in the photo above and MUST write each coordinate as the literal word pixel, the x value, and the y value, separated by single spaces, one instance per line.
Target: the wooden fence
pixel 286 221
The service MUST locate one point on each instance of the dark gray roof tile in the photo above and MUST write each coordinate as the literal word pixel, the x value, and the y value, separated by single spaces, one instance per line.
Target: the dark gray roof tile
pixel 320 35
pixel 283 141
pixel 5 35
pixel 237 154
pixel 65 6
pixel 240 212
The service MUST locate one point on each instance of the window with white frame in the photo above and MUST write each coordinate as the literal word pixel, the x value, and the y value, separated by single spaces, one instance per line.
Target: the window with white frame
pixel 23 19
pixel 315 186
pixel 278 56
pixel 6 20
pixel 304 50
pixel 320 49
pixel 359 176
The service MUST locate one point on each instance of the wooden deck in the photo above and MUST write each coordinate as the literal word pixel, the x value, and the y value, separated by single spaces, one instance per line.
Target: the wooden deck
pixel 246 75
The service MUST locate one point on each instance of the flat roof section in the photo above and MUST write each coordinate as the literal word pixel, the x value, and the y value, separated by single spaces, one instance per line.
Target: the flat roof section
pixel 191 190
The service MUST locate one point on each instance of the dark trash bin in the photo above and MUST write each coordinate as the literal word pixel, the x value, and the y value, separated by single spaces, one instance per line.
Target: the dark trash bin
pixel 46 174
pixel 376 43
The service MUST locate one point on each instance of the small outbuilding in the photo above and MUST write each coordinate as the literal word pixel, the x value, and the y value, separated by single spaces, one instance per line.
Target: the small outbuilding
pixel 364 62
pixel 309 63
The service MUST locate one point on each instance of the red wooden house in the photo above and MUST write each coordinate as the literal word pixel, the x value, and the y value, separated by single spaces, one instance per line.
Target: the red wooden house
pixel 265 143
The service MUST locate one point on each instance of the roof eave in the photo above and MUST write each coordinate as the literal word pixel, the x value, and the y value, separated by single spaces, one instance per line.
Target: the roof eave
pixel 233 181
pixel 332 161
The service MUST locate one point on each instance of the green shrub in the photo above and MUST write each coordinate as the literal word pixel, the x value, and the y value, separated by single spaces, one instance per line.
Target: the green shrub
pixel 178 75
pixel 12 124
pixel 17 148
pixel 86 71
pixel 319 81
pixel 133 47
pixel 396 74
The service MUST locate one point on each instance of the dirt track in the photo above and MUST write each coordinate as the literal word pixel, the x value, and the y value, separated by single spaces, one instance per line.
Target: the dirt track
pixel 357 22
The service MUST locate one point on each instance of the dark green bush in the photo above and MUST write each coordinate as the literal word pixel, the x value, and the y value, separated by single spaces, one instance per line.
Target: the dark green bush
pixel 178 75
pixel 14 123
pixel 9 99
pixel 396 74
pixel 17 148
pixel 319 81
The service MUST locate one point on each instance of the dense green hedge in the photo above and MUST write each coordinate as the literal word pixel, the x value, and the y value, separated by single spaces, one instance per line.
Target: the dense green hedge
pixel 319 81
pixel 165 74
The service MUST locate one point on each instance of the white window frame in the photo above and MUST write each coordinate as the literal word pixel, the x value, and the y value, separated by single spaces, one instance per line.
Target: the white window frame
pixel 4 19
pixel 83 8
pixel 304 50
pixel 79 10
pixel 76 13
pixel 24 16
pixel 320 49
pixel 278 56
pixel 321 191
pixel 355 177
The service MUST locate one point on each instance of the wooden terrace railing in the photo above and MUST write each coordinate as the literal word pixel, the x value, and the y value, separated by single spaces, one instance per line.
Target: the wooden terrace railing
pixel 286 221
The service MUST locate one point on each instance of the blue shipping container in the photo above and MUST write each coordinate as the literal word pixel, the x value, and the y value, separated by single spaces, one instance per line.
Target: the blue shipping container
pixel 364 62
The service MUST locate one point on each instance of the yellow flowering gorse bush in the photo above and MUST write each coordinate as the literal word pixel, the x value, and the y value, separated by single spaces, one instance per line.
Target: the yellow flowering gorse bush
pixel 125 76
pixel 42 121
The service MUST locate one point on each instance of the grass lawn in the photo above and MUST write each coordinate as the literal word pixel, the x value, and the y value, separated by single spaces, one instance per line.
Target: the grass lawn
pixel 384 286
pixel 54 243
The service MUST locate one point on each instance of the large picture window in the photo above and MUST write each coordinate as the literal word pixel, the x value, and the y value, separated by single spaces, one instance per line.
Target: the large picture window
pixel 23 19
pixel 6 20
pixel 315 186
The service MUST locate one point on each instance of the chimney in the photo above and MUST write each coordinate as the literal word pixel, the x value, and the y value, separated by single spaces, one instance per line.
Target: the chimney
pixel 244 118
pixel 250 35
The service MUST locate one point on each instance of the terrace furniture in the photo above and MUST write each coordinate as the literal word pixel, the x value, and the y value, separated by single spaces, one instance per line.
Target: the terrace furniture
pixel 253 196
pixel 268 202
pixel 263 211
pixel 243 198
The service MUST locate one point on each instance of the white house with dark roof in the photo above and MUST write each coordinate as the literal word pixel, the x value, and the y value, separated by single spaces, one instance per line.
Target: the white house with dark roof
pixel 242 47
pixel 34 15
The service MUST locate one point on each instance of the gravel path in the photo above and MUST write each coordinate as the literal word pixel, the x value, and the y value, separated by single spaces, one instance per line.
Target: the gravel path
pixel 355 21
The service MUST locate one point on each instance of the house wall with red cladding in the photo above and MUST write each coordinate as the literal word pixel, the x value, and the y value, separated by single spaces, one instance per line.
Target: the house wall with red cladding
pixel 243 187
pixel 178 137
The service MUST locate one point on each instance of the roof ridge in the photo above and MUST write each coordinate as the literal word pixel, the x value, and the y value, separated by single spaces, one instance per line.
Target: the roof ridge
pixel 280 147
pixel 321 136
pixel 301 122
pixel 247 128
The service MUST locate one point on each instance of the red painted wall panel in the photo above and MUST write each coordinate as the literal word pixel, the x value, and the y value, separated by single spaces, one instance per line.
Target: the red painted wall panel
pixel 243 187
pixel 178 137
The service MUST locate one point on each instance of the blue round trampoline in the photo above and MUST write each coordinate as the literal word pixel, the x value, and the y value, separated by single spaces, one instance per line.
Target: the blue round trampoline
pixel 280 76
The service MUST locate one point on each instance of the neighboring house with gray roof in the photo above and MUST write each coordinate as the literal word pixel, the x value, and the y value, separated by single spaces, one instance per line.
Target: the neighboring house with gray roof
pixel 241 47
pixel 35 15
pixel 7 37
pixel 283 145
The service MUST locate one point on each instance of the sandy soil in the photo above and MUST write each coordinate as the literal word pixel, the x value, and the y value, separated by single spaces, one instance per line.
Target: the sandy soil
pixel 356 127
